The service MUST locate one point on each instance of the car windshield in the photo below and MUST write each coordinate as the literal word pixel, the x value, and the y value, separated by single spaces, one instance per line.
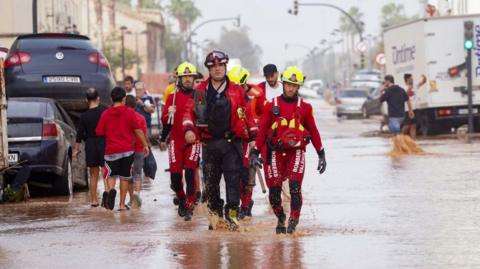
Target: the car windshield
pixel 22 109
pixel 354 94
pixel 57 43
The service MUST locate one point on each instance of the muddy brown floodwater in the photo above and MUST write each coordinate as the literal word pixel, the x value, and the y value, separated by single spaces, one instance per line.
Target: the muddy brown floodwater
pixel 367 211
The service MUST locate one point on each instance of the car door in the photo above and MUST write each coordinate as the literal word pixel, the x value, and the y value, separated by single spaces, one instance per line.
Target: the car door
pixel 374 103
pixel 67 125
pixel 78 168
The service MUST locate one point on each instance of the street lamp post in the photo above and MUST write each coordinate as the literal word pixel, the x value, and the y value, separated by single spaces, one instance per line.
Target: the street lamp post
pixel 358 25
pixel 188 40
pixel 122 31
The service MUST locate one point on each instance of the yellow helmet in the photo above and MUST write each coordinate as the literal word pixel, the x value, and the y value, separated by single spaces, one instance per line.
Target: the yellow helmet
pixel 238 75
pixel 186 69
pixel 294 75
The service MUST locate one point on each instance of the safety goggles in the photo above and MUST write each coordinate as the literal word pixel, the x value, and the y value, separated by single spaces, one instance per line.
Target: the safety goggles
pixel 216 57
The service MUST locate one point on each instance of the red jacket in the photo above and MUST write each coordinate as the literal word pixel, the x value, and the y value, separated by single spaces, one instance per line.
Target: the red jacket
pixel 288 110
pixel 118 124
pixel 255 99
pixel 143 123
pixel 239 120
pixel 262 85
pixel 181 100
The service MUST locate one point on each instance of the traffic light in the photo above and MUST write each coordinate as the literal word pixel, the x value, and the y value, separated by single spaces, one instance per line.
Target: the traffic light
pixel 468 35
pixel 455 70
pixel 295 7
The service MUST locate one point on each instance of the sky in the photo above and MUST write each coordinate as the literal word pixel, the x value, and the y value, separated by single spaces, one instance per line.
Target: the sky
pixel 270 26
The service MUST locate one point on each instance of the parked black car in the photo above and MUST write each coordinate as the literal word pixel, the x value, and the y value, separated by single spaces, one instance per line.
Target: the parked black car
pixel 41 134
pixel 372 105
pixel 58 66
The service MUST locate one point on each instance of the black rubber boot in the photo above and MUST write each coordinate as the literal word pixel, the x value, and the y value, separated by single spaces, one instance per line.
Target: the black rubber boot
pixel 219 209
pixel 176 201
pixel 181 207
pixel 231 215
pixel 249 211
pixel 243 212
pixel 188 214
pixel 280 229
pixel 198 197
pixel 292 225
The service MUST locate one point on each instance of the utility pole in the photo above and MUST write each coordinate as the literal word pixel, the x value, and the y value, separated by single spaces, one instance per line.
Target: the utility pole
pixel 469 44
pixel 35 16
pixel 122 30
pixel 137 57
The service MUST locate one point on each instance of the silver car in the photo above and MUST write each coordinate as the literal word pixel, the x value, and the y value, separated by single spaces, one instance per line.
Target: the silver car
pixel 349 102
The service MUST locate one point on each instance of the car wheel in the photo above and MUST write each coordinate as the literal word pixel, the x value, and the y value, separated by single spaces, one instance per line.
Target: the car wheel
pixel 365 113
pixel 63 185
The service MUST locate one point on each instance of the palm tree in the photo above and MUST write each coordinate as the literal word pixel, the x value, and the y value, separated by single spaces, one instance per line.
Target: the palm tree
pixel 348 28
pixel 185 12
pixel 393 14
pixel 346 24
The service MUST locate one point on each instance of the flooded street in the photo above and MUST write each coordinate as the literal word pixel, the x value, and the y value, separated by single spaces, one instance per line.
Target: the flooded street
pixel 367 211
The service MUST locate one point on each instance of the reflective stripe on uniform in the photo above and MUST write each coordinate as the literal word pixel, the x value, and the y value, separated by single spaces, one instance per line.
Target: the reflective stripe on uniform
pixel 187 122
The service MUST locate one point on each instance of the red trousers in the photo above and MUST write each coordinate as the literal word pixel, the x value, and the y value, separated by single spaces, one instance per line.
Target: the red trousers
pixel 184 156
pixel 246 190
pixel 285 165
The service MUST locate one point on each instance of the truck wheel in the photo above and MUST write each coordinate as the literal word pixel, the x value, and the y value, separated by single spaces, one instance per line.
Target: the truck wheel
pixel 63 185
pixel 425 126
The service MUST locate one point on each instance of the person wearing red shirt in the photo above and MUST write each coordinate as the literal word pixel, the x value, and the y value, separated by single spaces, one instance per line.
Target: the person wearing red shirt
pixel 135 184
pixel 119 125
pixel 182 155
pixel 216 115
pixel 287 125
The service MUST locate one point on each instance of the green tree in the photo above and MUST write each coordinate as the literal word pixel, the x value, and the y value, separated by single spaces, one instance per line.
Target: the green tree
pixel 113 53
pixel 393 14
pixel 237 44
pixel 346 25
pixel 185 12
pixel 143 3
pixel 125 2
pixel 149 3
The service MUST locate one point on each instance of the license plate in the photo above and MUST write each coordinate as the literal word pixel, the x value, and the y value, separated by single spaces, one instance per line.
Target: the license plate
pixel 12 158
pixel 464 111
pixel 61 79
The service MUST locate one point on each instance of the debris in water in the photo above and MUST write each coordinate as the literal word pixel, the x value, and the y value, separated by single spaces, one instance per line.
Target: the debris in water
pixel 405 145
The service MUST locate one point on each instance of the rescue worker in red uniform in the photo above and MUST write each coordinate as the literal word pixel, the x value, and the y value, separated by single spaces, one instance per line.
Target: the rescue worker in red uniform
pixel 255 100
pixel 216 116
pixel 287 125
pixel 182 155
